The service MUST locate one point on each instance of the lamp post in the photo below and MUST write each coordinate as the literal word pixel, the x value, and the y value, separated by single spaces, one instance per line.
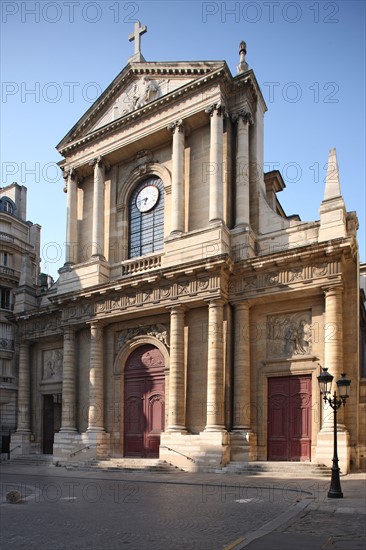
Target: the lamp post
pixel 325 384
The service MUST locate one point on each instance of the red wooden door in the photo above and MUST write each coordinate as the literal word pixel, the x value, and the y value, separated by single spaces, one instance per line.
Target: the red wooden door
pixel 144 402
pixel 289 418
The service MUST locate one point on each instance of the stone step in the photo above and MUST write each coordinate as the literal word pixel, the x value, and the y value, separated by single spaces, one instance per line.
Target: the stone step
pixel 124 464
pixel 296 469
pixel 30 460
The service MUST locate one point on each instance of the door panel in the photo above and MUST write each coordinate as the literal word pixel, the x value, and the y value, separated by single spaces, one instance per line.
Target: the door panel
pixel 134 422
pixel 144 402
pixel 289 418
pixel 51 420
pixel 155 416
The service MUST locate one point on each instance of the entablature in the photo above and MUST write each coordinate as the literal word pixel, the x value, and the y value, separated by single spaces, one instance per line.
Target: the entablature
pixel 192 286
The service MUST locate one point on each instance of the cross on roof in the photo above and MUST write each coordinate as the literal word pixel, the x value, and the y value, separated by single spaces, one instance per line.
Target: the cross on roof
pixel 136 36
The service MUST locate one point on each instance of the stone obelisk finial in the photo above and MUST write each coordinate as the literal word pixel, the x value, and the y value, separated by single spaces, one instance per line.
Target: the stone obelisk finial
pixel 333 215
pixel 243 65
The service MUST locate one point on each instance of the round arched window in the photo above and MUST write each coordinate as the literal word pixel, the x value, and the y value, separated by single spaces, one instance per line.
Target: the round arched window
pixel 7 205
pixel 146 217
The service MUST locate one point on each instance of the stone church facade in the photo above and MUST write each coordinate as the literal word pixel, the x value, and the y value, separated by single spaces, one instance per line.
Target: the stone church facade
pixel 192 316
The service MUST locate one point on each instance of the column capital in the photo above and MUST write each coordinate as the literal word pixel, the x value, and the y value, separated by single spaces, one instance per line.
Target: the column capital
pixel 336 289
pixel 243 115
pixel 216 302
pixel 218 107
pixel 95 324
pixel 176 125
pixel 69 332
pixel 99 162
pixel 70 174
pixel 177 308
pixel 24 344
pixel 241 306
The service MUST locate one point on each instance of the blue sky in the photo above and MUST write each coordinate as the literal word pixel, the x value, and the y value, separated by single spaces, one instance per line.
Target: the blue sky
pixel 308 57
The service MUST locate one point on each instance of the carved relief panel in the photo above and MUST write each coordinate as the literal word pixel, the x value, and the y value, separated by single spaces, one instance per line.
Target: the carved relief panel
pixel 289 335
pixel 52 365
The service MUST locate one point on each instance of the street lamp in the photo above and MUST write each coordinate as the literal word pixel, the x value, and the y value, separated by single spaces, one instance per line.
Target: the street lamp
pixel 325 384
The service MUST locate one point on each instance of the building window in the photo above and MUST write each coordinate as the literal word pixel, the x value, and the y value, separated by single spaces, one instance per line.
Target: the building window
pixel 5 259
pixel 6 337
pixel 6 370
pixel 146 218
pixel 5 298
pixel 7 205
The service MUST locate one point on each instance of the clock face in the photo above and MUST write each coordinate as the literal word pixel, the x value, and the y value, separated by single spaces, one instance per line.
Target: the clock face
pixel 147 198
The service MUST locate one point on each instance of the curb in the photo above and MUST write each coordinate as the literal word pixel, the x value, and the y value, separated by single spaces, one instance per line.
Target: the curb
pixel 270 526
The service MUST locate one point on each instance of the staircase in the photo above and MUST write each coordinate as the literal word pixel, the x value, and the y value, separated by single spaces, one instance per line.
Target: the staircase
pixel 125 465
pixel 277 469
pixel 30 460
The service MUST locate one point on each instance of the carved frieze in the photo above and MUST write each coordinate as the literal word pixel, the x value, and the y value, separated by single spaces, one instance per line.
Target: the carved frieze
pixel 40 326
pixel 159 331
pixel 289 335
pixel 142 296
pixel 52 365
pixel 282 278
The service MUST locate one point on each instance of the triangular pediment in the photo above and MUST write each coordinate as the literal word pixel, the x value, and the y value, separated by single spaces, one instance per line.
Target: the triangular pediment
pixel 138 85
pixel 141 91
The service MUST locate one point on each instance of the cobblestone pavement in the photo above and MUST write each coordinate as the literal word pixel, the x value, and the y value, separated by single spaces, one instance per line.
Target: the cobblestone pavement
pixel 325 523
pixel 88 511
pixel 348 526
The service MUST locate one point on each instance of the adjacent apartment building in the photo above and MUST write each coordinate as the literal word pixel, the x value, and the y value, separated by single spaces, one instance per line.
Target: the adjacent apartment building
pixel 19 250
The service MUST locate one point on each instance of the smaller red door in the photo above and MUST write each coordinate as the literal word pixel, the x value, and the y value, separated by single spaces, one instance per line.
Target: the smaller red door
pixel 289 418
pixel 51 420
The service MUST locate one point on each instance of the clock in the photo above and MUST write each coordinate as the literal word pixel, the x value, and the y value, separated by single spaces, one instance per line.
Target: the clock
pixel 147 198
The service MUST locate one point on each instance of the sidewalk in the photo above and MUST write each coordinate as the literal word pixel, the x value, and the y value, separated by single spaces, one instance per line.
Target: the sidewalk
pixel 330 523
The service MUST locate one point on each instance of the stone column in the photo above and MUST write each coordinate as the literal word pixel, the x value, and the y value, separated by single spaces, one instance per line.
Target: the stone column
pixel 241 420
pixel 23 421
pixel 177 129
pixel 216 161
pixel 215 368
pixel 242 215
pixel 98 208
pixel 176 414
pixel 333 361
pixel 68 421
pixel 333 347
pixel 96 389
pixel 71 222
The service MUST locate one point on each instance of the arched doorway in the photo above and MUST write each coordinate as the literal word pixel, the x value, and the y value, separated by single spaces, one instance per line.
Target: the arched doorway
pixel 144 390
